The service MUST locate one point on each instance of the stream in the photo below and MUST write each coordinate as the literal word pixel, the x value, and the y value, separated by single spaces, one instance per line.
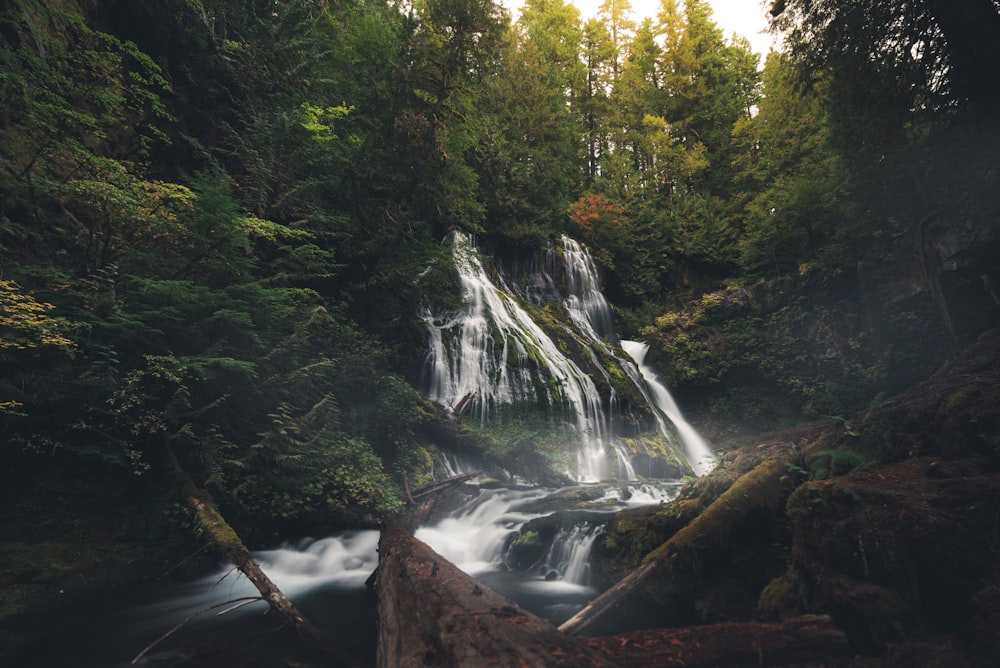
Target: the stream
pixel 486 355
pixel 325 578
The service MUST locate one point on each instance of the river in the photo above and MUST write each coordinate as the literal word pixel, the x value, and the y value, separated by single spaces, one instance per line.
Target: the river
pixel 326 578
pixel 486 355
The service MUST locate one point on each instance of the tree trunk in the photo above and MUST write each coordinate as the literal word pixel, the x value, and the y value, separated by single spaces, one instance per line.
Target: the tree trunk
pixel 228 545
pixel 972 30
pixel 799 641
pixel 430 613
pixel 767 485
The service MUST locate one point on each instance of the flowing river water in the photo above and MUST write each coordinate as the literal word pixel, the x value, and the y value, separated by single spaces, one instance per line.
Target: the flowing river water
pixel 480 357
pixel 326 579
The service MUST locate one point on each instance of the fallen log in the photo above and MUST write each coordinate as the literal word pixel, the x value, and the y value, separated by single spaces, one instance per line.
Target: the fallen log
pixel 798 641
pixel 767 485
pixel 430 613
pixel 425 499
pixel 442 485
pixel 418 511
pixel 228 545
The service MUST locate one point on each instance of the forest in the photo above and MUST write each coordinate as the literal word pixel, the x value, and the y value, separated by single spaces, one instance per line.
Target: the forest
pixel 221 220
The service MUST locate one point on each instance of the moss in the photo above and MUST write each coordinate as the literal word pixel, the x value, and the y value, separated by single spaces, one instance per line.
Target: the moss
pixel 528 539
pixel 528 549
pixel 896 551
pixel 783 597
pixel 766 486
pixel 780 350
pixel 699 540
pixel 31 571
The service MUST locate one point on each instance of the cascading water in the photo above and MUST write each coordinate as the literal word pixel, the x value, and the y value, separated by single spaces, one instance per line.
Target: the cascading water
pixel 569 557
pixel 584 300
pixel 326 580
pixel 696 450
pixel 473 537
pixel 491 353
pixel 482 356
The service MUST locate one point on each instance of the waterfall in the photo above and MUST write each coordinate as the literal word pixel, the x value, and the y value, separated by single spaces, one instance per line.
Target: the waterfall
pixel 584 300
pixel 491 353
pixel 569 557
pixel 696 450
pixel 474 536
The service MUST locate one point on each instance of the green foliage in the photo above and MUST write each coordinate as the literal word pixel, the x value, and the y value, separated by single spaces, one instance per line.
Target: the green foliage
pixel 219 221
pixel 24 324
pixel 68 91
pixel 183 336
pixel 439 283
pixel 525 438
pixel 837 462
pixel 527 162
pixel 319 121
pixel 793 211
pixel 802 355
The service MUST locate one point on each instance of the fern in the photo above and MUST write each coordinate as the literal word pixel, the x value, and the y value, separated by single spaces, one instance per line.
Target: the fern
pixel 836 462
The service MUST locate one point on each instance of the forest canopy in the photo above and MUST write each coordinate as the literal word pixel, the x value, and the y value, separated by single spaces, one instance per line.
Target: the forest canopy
pixel 214 211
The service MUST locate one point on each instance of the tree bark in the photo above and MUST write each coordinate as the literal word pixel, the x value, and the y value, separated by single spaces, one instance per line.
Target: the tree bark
pixel 971 28
pixel 229 546
pixel 432 614
pixel 799 641
pixel 767 485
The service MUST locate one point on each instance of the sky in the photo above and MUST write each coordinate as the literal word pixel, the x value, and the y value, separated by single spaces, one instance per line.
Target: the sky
pixel 745 17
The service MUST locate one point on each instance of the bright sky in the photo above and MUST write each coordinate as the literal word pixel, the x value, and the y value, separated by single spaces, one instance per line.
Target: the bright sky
pixel 744 17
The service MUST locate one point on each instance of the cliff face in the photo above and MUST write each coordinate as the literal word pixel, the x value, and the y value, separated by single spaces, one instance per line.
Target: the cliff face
pixel 760 358
pixel 887 521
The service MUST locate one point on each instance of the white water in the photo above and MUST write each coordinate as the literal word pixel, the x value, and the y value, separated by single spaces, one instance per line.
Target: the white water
pixel 569 556
pixel 345 560
pixel 473 537
pixel 491 352
pixel 584 300
pixel 326 578
pixel 645 494
pixel 342 562
pixel 696 450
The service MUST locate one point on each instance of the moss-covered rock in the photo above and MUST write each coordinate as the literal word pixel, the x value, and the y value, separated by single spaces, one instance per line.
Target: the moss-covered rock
pixel 897 551
pixel 886 520
pixel 762 358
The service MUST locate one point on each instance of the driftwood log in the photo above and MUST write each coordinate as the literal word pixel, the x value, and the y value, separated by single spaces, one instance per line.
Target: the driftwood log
pixel 799 641
pixel 766 485
pixel 432 614
pixel 228 545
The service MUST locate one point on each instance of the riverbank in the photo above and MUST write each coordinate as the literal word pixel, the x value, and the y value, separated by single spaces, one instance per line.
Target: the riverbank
pixel 886 521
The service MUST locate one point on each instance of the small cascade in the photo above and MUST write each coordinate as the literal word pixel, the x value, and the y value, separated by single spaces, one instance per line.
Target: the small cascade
pixel 341 562
pixel 584 300
pixel 473 538
pixel 696 450
pixel 569 557
pixel 347 559
pixel 645 494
